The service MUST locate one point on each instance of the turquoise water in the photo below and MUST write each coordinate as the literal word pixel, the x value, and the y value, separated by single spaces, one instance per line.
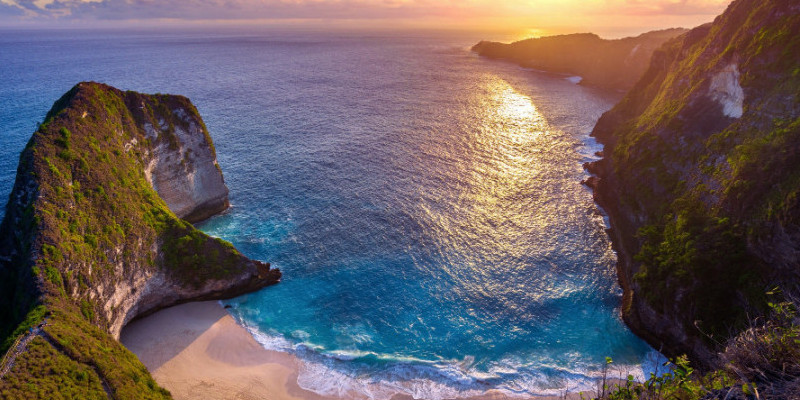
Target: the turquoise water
pixel 424 204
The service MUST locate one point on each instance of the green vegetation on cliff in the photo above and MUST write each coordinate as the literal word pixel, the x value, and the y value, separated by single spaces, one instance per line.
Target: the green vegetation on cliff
pixel 700 178
pixel 761 362
pixel 87 244
pixel 32 376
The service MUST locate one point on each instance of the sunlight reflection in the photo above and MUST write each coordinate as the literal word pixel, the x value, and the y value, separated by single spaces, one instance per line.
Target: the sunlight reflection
pixel 512 196
pixel 533 33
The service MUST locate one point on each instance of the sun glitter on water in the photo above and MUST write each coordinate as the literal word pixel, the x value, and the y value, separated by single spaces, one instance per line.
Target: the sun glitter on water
pixel 436 239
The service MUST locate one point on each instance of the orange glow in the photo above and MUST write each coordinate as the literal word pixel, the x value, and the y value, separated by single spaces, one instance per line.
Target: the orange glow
pixel 514 18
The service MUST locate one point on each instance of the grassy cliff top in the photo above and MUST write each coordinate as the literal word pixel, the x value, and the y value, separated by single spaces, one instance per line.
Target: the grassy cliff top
pixel 83 222
pixel 701 157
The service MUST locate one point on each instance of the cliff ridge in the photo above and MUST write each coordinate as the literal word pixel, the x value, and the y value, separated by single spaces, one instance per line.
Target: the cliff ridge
pixel 611 64
pixel 699 178
pixel 93 236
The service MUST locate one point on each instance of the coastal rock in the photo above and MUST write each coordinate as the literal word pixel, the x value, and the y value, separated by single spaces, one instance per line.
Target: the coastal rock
pixel 725 89
pixel 184 169
pixel 92 237
pixel 699 179
pixel 588 59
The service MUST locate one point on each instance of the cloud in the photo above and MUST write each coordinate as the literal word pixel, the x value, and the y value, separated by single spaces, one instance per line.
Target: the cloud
pixel 229 9
pixel 667 7
pixel 194 10
pixel 10 10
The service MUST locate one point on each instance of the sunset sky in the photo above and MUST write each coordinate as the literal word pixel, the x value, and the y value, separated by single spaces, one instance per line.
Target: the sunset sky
pixel 612 17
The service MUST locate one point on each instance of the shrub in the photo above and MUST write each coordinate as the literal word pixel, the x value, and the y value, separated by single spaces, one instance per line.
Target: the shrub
pixel 768 354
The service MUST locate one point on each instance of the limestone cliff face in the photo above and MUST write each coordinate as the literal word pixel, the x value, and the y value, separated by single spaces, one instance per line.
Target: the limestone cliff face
pixel 699 178
pixel 613 64
pixel 92 233
pixel 184 171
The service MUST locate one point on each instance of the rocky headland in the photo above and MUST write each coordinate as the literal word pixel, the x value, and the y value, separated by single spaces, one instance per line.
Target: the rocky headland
pixel 700 180
pixel 93 237
pixel 611 64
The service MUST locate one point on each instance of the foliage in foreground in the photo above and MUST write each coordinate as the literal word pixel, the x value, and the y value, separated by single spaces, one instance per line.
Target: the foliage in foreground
pixel 46 373
pixel 762 362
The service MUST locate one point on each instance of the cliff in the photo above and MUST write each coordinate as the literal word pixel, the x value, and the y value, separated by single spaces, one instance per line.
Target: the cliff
pixel 183 169
pixel 92 238
pixel 613 64
pixel 700 179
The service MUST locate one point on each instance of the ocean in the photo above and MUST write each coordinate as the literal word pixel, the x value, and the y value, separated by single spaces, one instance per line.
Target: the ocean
pixel 425 205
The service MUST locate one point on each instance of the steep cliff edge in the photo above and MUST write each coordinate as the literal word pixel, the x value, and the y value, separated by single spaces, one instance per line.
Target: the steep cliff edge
pixel 700 179
pixel 183 169
pixel 612 64
pixel 92 239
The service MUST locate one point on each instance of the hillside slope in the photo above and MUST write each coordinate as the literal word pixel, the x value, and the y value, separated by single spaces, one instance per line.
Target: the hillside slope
pixel 88 241
pixel 700 179
pixel 612 64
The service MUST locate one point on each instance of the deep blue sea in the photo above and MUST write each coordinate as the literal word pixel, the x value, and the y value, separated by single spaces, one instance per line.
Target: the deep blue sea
pixel 425 205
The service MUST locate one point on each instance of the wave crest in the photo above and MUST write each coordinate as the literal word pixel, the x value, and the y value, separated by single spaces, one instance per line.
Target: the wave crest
pixel 366 375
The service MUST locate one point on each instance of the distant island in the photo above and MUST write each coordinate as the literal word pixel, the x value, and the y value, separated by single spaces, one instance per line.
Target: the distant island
pixel 611 64
pixel 93 238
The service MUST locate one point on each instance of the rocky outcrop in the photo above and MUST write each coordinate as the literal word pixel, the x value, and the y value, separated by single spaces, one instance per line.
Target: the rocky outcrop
pixel 184 171
pixel 614 64
pixel 92 237
pixel 142 294
pixel 699 179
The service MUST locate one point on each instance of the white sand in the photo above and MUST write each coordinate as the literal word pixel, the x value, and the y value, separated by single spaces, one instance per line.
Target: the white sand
pixel 197 351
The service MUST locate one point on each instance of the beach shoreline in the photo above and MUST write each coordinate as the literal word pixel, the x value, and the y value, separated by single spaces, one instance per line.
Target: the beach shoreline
pixel 197 350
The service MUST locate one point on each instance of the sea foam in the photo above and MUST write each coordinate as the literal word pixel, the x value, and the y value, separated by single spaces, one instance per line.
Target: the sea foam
pixel 340 374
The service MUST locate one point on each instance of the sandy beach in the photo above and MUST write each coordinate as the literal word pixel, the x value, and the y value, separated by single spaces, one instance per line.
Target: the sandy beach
pixel 198 351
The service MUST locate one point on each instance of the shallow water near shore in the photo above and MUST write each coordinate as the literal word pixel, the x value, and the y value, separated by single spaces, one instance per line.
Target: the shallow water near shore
pixel 424 204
